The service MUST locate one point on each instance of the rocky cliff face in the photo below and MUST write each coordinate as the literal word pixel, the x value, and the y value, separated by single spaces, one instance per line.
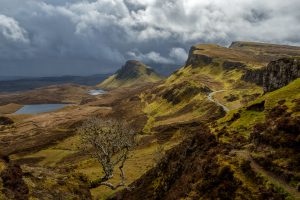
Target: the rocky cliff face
pixel 210 54
pixel 280 73
pixel 254 76
pixel 277 74
pixel 197 59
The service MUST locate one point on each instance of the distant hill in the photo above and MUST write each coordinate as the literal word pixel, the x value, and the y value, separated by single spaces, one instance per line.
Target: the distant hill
pixel 23 84
pixel 132 73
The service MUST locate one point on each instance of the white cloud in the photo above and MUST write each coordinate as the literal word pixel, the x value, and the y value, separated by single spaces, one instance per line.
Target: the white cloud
pixel 151 57
pixel 106 30
pixel 11 29
pixel 178 54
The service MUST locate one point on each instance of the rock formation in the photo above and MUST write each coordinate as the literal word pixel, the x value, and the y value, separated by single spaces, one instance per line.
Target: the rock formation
pixel 197 59
pixel 132 73
pixel 277 74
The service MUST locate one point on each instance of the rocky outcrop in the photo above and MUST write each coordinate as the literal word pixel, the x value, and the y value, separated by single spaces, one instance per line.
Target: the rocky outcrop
pixel 254 76
pixel 133 69
pixel 229 65
pixel 280 73
pixel 197 59
pixel 277 74
pixel 133 73
pixel 259 107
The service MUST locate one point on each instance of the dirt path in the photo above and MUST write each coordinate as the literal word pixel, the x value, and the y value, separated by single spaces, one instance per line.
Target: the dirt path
pixel 210 97
pixel 269 175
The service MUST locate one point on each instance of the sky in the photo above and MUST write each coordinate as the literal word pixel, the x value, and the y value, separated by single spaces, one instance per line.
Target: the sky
pixel 81 37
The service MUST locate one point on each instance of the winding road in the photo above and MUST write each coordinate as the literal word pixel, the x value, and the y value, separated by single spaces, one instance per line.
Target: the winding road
pixel 210 97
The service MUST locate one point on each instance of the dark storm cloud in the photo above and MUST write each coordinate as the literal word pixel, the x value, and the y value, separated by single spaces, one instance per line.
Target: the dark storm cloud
pixel 82 37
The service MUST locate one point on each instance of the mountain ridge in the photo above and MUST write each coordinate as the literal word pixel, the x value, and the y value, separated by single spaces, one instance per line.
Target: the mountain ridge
pixel 132 73
pixel 251 152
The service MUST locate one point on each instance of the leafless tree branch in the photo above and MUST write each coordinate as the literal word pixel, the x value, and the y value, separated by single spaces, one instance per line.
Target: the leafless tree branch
pixel 109 141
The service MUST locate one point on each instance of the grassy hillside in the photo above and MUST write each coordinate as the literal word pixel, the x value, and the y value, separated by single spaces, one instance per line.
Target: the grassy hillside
pixel 250 152
pixel 269 129
pixel 183 96
pixel 132 73
pixel 254 153
pixel 243 119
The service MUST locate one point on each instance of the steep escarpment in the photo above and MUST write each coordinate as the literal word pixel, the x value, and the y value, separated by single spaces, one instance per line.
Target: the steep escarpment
pixel 252 54
pixel 277 74
pixel 132 73
pixel 226 163
pixel 184 95
pixel 197 59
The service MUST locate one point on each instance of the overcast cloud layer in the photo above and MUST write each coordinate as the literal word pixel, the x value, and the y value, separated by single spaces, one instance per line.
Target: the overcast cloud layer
pixel 51 37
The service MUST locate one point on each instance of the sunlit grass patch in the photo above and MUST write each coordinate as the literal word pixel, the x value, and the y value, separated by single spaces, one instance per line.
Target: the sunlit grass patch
pixel 50 156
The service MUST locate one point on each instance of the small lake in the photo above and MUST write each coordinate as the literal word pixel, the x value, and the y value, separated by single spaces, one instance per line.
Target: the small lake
pixel 39 108
pixel 96 92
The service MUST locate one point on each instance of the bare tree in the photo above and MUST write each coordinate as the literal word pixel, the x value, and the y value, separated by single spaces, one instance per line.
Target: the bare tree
pixel 109 141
